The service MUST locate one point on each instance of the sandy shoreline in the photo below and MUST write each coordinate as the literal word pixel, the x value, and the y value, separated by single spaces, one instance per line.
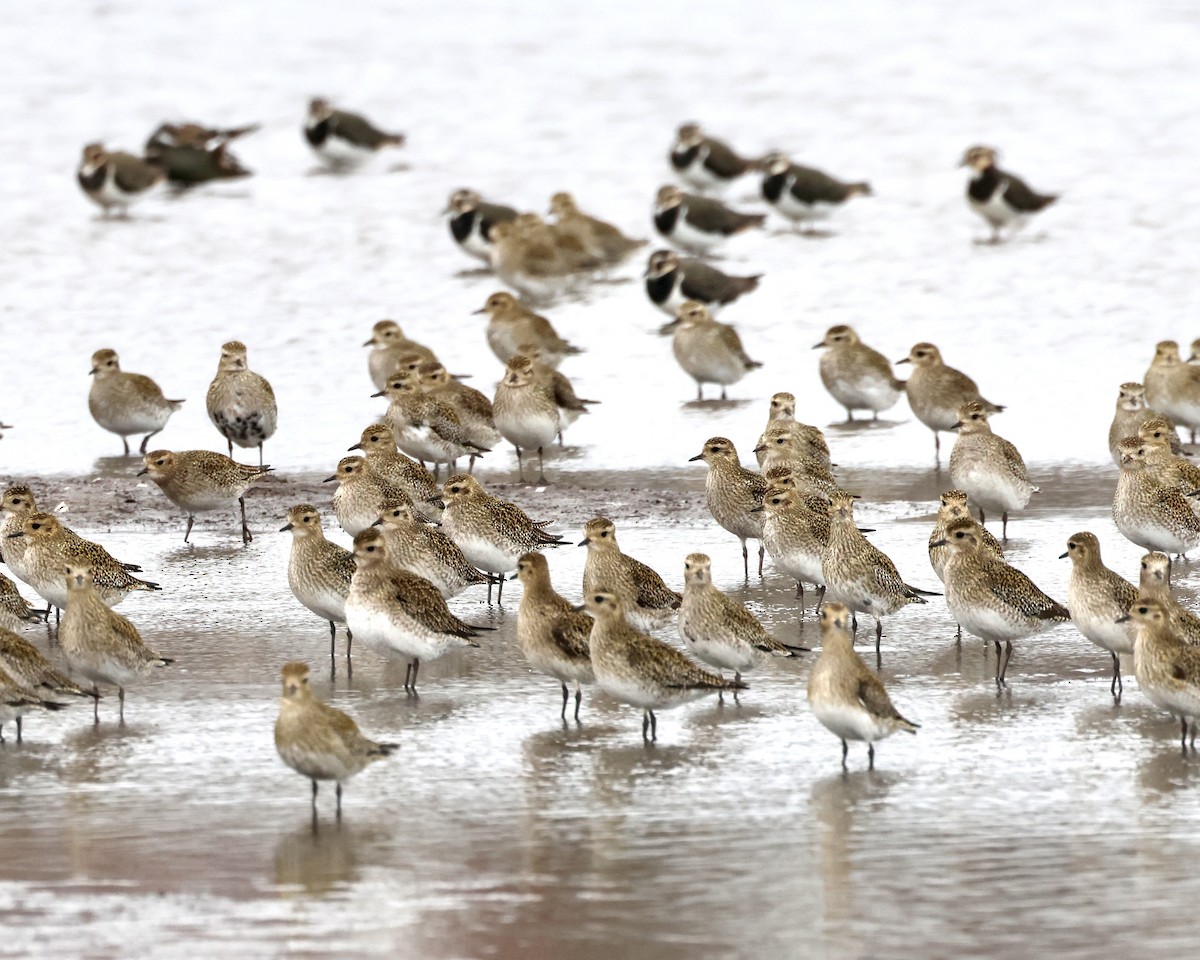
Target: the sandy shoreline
pixel 111 500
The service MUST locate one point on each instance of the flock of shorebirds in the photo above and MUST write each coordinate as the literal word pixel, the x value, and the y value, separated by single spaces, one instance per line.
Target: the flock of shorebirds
pixel 418 542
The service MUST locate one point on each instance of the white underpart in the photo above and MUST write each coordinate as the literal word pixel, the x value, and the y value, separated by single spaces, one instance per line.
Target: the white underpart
pixel 338 152
pixel 485 554
pixel 992 489
pixel 873 393
pixel 797 210
pixel 849 721
pixel 686 236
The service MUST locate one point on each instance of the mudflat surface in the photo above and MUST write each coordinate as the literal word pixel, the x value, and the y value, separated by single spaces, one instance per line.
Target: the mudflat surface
pixel 1046 820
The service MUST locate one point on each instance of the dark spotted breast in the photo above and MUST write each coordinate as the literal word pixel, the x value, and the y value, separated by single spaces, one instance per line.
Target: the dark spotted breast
pixel 772 187
pixel 658 289
pixel 682 159
pixel 666 220
pixel 318 133
pixel 983 186
pixel 462 225
pixel 94 180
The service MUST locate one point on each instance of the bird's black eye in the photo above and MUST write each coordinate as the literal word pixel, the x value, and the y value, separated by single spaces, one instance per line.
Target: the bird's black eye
pixel 1070 546
pixel 308 519
pixel 370 549
pixel 37 526
pixel 604 534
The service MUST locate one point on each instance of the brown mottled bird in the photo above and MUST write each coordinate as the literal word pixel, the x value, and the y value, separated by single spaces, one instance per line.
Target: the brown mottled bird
pixel 319 741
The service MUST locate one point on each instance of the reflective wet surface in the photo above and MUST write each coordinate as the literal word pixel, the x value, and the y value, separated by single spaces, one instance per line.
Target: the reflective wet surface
pixel 1044 820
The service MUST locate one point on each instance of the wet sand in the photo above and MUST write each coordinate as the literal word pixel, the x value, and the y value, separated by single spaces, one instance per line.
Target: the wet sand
pixel 1045 820
pixel 498 830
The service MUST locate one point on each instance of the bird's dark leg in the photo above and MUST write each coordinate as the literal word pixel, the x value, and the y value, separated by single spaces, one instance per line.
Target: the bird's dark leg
pixel 723 397
pixel 981 520
pixel 471 466
pixel 121 702
pixel 230 442
pixel 762 552
pixel 1117 687
pixel 407 676
pixel 332 644
pixel 500 589
pixel 958 636
pixel 339 800
pixel 314 798
pixel 653 726
pixel 146 441
pixel 845 751
pixel 126 444
pixel 416 667
pixel 746 559
pixel 1007 657
pixel 999 681
pixel 19 727
pixel 188 532
pixel 490 581
pixel 246 535
pixel 854 624
pixel 800 593
pixel 520 464
pixel 870 756
pixel 95 705
pixel 1183 737
pixel 849 415
pixel 878 634
pixel 645 725
pixel 566 697
pixel 541 469
pixel 820 597
pixel 1004 527
pixel 699 391
pixel 578 700
pixel 937 448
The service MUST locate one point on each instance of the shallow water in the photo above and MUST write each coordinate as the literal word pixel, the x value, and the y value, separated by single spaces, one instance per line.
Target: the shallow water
pixel 1046 815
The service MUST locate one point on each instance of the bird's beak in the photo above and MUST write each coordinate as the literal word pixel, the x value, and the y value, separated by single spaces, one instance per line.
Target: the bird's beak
pixel 940 543
pixel 93 371
pixel 698 456
pixel 435 500
pixel 369 343
pixel 1062 556
pixel 582 543
pixel 378 523
pixel 330 479
pixel 669 327
pixel 357 446
pixel 1124 619
pixel 285 529
pixel 903 360
pixel 19 533
pixel 957 425
pixel 142 472
pixel 758 509
pixel 515 576
pixel 760 448
pixel 579 609
pixel 379 394
pixel 818 346
pixel 480 310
